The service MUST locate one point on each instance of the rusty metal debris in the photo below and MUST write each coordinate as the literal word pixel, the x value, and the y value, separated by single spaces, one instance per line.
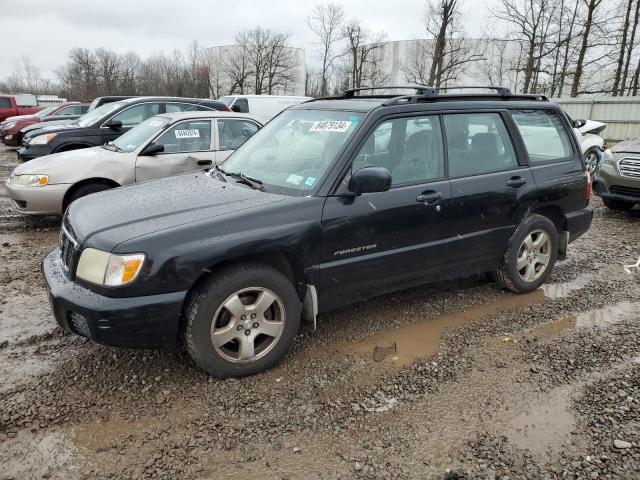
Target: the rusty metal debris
pixel 380 353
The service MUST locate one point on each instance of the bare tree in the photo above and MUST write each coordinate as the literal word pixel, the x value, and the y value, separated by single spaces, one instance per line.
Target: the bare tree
pixel 585 44
pixel 325 22
pixel 361 48
pixel 26 78
pixel 445 53
pixel 108 70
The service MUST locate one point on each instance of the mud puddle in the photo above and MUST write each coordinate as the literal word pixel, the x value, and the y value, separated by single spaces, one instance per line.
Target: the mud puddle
pixel 600 318
pixel 544 426
pixel 105 435
pixel 562 290
pixel 409 343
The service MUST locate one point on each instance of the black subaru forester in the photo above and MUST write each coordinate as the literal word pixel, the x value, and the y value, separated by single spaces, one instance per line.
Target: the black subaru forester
pixel 332 202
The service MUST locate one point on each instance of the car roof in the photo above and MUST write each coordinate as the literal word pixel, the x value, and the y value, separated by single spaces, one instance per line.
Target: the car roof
pixel 175 99
pixel 174 116
pixel 264 96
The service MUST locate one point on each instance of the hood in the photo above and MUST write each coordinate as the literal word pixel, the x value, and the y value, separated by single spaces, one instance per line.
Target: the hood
pixel 18 118
pixel 49 164
pixel 631 146
pixel 106 219
pixel 592 127
pixel 47 123
pixel 65 127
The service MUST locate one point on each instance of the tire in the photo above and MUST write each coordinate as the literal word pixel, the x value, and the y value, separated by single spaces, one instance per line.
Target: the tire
pixel 534 271
pixel 241 288
pixel 591 160
pixel 617 205
pixel 85 190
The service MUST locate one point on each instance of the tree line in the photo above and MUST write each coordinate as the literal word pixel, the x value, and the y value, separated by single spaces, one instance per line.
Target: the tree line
pixel 551 47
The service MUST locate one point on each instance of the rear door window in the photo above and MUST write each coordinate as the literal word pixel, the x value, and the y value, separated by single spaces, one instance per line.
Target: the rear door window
pixel 544 135
pixel 5 103
pixel 478 143
pixel 233 133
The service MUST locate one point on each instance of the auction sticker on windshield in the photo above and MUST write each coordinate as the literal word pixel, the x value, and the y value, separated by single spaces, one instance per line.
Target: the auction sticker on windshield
pixel 339 126
pixel 295 179
pixel 193 133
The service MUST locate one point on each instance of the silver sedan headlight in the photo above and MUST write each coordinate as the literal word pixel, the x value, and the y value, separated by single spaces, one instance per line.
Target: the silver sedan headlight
pixel 9 125
pixel 29 180
pixel 109 269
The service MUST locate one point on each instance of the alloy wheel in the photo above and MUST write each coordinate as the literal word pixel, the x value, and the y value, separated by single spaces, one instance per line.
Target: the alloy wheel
pixel 534 255
pixel 248 325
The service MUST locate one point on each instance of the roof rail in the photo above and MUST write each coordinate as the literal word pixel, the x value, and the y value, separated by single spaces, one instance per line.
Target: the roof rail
pixel 503 91
pixel 420 90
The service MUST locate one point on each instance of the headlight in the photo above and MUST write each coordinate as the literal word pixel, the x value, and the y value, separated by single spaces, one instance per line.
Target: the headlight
pixel 111 270
pixel 29 180
pixel 42 139
pixel 607 157
pixel 9 125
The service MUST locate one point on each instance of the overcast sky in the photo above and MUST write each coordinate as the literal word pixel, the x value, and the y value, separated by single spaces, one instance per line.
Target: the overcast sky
pixel 46 30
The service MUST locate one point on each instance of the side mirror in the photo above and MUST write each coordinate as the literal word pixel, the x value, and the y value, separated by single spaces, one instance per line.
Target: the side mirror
pixel 114 124
pixel 152 149
pixel 579 123
pixel 370 180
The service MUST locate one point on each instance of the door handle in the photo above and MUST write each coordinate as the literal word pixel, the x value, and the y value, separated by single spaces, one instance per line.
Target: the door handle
pixel 516 182
pixel 205 162
pixel 430 197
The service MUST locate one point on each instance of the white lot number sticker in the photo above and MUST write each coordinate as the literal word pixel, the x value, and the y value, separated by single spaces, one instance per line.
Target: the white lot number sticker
pixel 339 126
pixel 193 133
pixel 295 179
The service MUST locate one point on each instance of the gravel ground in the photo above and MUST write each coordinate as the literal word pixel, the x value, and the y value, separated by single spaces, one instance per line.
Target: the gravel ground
pixel 544 385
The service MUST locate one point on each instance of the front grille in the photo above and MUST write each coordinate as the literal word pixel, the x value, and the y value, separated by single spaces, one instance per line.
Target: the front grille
pixel 68 249
pixel 629 167
pixel 634 192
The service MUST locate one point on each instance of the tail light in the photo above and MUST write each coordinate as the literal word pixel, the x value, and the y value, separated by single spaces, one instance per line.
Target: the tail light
pixel 587 192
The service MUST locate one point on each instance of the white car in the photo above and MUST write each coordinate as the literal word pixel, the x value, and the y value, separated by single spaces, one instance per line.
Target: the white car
pixel 163 145
pixel 588 134
pixel 262 106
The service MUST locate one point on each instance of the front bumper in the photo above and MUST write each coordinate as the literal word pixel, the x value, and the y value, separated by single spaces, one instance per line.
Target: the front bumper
pixel 45 200
pixel 29 152
pixel 136 322
pixel 610 185
pixel 11 140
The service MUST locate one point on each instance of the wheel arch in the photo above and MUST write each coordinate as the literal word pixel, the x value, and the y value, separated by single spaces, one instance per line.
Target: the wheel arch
pixel 66 147
pixel 86 181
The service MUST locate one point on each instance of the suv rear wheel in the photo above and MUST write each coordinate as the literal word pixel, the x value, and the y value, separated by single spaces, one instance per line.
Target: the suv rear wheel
pixel 241 320
pixel 531 255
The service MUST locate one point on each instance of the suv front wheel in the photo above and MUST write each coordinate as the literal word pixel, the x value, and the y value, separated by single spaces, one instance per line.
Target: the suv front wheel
pixel 241 320
pixel 531 255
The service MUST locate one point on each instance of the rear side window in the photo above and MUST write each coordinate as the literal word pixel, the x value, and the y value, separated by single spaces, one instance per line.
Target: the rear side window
pixel 543 134
pixel 5 103
pixel 478 143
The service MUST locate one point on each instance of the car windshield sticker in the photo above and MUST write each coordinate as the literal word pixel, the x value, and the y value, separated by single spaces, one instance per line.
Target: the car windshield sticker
pixel 310 181
pixel 295 179
pixel 193 133
pixel 339 126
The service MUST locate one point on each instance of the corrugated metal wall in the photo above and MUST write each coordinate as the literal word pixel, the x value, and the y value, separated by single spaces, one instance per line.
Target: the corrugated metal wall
pixel 621 114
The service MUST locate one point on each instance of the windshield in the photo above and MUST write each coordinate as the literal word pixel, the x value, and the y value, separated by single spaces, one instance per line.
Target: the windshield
pixel 93 116
pixel 135 137
pixel 294 150
pixel 44 112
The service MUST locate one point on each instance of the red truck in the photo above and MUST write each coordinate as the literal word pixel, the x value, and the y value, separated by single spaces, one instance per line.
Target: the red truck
pixel 11 135
pixel 12 105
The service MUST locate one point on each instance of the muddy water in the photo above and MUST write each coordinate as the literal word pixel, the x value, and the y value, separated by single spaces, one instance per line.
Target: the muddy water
pixel 561 290
pixel 100 436
pixel 411 342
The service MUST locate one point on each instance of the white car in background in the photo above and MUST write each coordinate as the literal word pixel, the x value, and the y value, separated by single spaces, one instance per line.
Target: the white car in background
pixel 588 134
pixel 161 146
pixel 262 106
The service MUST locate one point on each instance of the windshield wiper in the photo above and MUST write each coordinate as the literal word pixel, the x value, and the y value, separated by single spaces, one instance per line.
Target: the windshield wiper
pixel 113 146
pixel 242 178
pixel 220 173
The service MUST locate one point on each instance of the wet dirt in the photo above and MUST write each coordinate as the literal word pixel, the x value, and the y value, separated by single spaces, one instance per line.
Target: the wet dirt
pixel 460 363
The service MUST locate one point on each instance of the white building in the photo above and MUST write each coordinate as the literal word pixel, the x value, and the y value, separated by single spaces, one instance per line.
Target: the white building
pixel 226 63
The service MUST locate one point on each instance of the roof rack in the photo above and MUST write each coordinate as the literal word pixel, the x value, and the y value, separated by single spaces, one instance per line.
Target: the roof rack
pixel 503 91
pixel 420 90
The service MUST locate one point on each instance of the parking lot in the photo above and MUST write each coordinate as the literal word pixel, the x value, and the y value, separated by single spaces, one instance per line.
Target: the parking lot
pixel 482 384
